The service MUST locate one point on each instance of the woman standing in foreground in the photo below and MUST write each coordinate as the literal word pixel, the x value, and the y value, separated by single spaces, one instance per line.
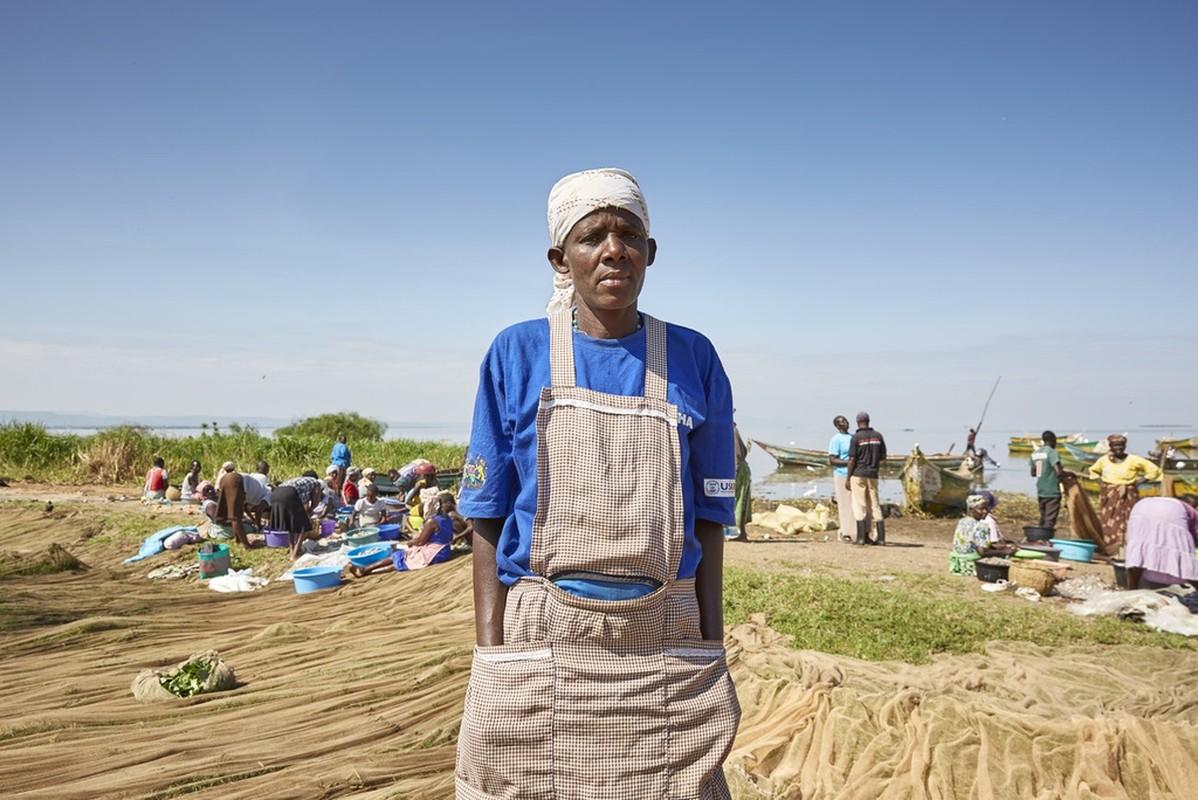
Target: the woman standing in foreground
pixel 599 476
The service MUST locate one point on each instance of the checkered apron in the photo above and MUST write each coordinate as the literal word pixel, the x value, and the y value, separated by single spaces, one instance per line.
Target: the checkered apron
pixel 601 698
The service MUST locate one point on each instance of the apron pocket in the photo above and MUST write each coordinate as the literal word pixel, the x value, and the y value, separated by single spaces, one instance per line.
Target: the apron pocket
pixel 703 713
pixel 505 744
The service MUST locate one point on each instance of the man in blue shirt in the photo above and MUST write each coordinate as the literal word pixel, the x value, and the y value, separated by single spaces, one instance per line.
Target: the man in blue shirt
pixel 341 459
pixel 838 459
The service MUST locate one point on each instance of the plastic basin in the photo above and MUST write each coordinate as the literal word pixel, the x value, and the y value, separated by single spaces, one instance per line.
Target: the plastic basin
pixel 1050 553
pixel 1121 577
pixel 389 532
pixel 1075 549
pixel 276 538
pixel 1034 533
pixel 368 554
pixel 313 579
pixel 1031 555
pixel 361 536
pixel 991 570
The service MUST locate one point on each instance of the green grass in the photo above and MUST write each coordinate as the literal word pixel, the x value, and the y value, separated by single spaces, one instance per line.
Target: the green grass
pixel 913 617
pixel 121 456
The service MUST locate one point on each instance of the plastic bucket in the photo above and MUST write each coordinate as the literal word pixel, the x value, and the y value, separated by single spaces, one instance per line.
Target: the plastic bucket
pixel 327 527
pixel 214 560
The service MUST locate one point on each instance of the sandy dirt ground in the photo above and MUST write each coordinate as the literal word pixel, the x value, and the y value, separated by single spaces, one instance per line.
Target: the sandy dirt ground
pixel 357 691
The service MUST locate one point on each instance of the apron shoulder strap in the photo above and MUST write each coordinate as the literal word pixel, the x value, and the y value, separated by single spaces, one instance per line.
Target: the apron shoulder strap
pixel 561 348
pixel 655 358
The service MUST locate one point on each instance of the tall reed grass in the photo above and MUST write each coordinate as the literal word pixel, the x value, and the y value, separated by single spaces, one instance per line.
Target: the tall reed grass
pixel 123 454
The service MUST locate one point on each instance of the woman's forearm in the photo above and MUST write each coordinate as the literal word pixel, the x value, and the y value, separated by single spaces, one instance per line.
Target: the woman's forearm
pixel 709 579
pixel 490 594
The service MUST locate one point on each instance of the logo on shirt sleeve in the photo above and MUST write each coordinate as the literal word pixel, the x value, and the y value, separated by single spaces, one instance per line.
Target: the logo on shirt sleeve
pixel 474 473
pixel 719 487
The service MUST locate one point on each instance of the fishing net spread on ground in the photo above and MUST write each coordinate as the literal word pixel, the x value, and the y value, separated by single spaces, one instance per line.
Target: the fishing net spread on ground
pixel 358 692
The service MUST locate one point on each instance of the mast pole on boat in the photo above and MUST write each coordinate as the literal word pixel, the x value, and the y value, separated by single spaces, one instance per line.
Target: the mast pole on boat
pixel 986 407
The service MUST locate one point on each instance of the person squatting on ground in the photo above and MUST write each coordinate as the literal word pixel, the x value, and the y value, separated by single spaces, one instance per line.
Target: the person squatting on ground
pixel 157 481
pixel 975 537
pixel 599 475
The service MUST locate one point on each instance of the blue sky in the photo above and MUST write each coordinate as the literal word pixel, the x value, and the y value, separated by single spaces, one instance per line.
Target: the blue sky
pixel 286 208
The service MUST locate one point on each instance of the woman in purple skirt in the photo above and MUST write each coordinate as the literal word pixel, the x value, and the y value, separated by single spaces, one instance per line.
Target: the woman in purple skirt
pixel 1162 533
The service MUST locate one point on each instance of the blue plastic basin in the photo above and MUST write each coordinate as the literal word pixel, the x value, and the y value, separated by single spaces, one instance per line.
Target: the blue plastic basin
pixel 361 536
pixel 313 579
pixel 388 532
pixel 368 554
pixel 1075 549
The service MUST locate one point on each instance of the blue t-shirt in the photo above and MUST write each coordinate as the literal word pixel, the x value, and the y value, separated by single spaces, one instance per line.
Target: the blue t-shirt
pixel 839 448
pixel 340 456
pixel 500 475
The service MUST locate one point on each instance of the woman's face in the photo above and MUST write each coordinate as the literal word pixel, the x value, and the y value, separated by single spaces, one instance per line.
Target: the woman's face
pixel 979 512
pixel 606 253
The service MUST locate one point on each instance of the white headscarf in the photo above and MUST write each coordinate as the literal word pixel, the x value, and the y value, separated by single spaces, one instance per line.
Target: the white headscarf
pixel 575 196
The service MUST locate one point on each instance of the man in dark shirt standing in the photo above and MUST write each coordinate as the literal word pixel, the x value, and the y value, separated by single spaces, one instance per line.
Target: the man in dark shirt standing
pixel 867 452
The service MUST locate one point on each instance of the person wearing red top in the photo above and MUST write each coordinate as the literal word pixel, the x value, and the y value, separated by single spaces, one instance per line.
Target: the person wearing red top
pixel 349 489
pixel 156 481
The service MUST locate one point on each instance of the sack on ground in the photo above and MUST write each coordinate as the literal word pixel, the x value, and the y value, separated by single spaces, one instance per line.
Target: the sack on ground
pixel 202 673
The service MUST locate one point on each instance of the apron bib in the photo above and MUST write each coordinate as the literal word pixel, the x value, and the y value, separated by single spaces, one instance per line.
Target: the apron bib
pixel 592 698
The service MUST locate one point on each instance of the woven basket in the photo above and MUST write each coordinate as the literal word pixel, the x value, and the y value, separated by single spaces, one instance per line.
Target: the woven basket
pixel 1033 576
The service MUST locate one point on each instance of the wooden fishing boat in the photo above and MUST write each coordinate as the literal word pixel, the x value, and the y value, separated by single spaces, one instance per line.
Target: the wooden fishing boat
pixel 796 456
pixel 1079 453
pixel 932 489
pixel 818 459
pixel 1177 444
pixel 1027 443
pixel 1180 484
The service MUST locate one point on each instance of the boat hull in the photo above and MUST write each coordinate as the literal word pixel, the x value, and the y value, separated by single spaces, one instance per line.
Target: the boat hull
pixel 930 488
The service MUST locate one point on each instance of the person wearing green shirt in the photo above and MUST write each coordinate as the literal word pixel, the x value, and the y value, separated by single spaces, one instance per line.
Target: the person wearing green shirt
pixel 1045 466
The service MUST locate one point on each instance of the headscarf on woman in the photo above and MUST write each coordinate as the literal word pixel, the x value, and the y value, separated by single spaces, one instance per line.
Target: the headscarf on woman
pixel 575 196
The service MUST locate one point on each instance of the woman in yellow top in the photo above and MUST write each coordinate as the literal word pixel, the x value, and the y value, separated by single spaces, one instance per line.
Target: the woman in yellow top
pixel 1118 472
